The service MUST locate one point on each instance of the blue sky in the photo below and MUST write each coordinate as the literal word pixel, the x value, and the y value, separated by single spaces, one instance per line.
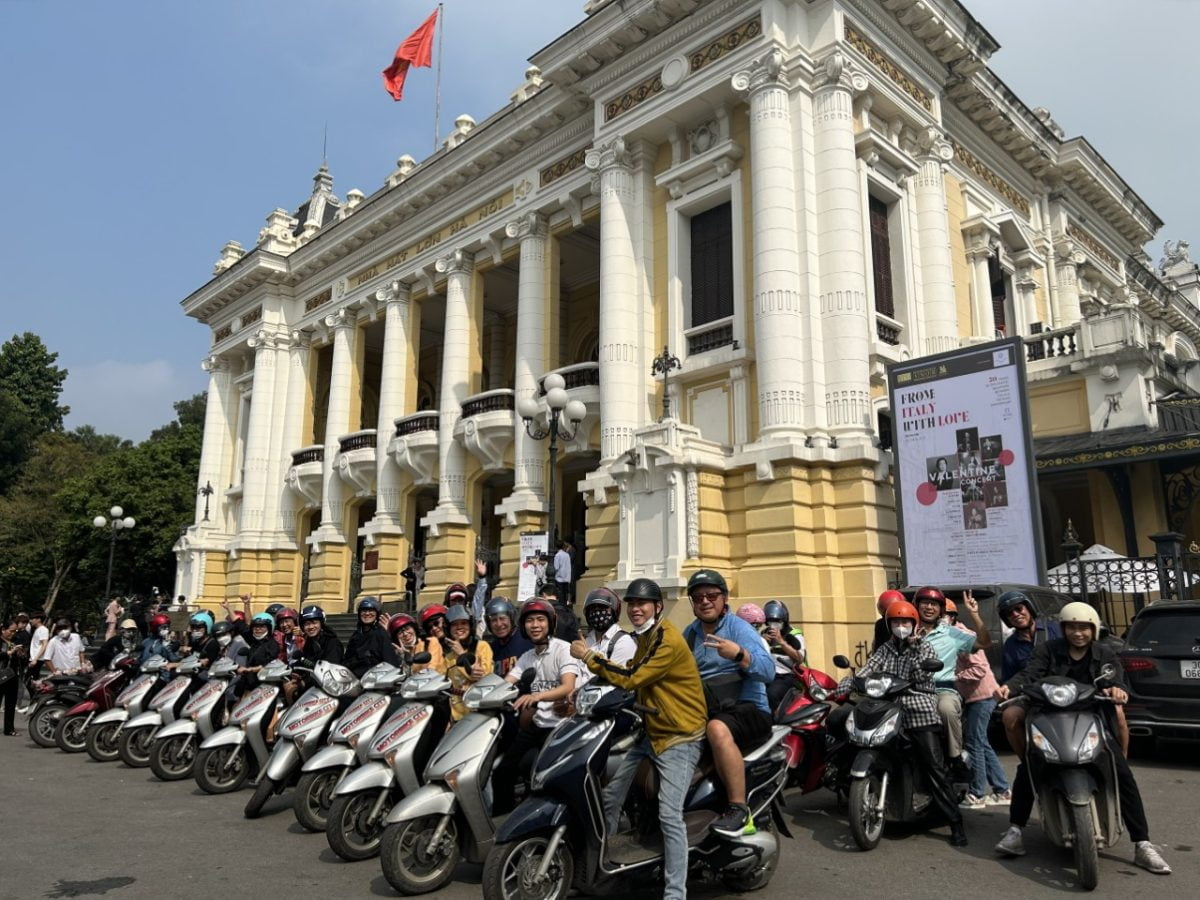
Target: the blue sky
pixel 140 135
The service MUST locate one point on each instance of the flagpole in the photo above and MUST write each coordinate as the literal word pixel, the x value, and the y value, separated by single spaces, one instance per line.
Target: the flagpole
pixel 437 101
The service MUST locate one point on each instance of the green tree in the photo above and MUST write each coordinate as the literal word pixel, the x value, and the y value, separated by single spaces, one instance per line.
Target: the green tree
pixel 187 412
pixel 99 444
pixel 28 372
pixel 17 435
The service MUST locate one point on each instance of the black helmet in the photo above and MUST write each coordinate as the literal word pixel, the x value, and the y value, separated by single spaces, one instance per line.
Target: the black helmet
pixel 1010 600
pixel 774 610
pixel 274 609
pixel 602 596
pixel 499 606
pixel 706 578
pixel 371 603
pixel 644 589
pixel 543 607
pixel 312 614
pixel 222 628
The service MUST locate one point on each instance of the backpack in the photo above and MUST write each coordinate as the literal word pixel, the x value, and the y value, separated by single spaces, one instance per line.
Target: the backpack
pixel 721 692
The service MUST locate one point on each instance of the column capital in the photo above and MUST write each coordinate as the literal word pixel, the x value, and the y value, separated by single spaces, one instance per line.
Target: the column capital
pixel 266 340
pixel 212 364
pixel 1067 253
pixel 393 292
pixel 765 71
pixel 837 71
pixel 299 340
pixel 530 226
pixel 608 155
pixel 340 319
pixel 931 143
pixel 456 262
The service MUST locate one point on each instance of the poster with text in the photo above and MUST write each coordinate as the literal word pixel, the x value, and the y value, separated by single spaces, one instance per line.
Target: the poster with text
pixel 533 564
pixel 966 489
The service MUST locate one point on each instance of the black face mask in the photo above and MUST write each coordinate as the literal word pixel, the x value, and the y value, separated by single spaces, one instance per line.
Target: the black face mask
pixel 599 618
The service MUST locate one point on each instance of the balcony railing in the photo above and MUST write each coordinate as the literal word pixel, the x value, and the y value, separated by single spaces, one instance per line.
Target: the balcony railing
pixel 1179 414
pixel 488 401
pixel 315 453
pixel 1051 344
pixel 427 421
pixel 360 440
pixel 700 341
pixel 579 375
pixel 887 329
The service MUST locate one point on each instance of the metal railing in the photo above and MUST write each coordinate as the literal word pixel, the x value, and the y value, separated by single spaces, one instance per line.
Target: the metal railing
pixel 579 375
pixel 710 339
pixel 360 440
pixel 424 421
pixel 489 401
pixel 1179 414
pixel 315 453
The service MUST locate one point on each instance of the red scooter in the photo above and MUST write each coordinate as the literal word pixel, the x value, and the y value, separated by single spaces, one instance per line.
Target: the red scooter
pixel 71 732
pixel 804 710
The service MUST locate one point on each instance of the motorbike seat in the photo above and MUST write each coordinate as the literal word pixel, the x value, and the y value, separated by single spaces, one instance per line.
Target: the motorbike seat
pixel 645 780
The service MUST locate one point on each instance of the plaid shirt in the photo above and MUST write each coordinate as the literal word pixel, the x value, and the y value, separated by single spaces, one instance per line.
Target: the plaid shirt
pixel 903 661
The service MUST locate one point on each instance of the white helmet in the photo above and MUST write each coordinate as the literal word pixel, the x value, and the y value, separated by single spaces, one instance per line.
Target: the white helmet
pixel 1081 613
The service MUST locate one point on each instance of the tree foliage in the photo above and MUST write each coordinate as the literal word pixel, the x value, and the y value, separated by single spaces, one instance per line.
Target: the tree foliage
pixel 17 436
pixel 28 372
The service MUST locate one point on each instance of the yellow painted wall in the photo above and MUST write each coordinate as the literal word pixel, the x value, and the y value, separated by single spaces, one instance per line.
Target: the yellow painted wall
pixel 1059 407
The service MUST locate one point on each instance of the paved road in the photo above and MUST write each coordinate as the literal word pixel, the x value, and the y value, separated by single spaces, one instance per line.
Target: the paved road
pixel 71 827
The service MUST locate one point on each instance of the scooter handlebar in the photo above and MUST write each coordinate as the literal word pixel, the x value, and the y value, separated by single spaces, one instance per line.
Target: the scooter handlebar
pixel 645 710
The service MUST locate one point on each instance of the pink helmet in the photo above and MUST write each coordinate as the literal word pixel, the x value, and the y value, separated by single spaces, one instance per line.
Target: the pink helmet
pixel 752 613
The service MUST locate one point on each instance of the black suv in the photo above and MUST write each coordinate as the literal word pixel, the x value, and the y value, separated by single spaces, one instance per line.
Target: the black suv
pixel 1162 666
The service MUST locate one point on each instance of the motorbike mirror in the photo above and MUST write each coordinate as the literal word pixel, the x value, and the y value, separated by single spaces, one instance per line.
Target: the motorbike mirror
pixel 841 661
pixel 466 660
pixel 526 682
pixel 421 658
pixel 931 665
pixel 1107 672
pixel 243 651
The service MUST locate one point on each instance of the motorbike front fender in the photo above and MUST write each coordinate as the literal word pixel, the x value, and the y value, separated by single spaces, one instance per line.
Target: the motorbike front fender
pixel 371 776
pixel 230 735
pixel 865 761
pixel 82 708
pixel 337 756
pixel 1077 785
pixel 111 715
pixel 176 728
pixel 429 800
pixel 151 718
pixel 285 759
pixel 535 815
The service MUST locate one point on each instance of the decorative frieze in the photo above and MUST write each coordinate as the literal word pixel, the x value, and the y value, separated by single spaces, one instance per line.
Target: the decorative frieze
pixel 562 167
pixel 223 332
pixel 318 300
pixel 979 168
pixel 1097 249
pixel 876 58
pixel 725 44
pixel 254 315
pixel 633 97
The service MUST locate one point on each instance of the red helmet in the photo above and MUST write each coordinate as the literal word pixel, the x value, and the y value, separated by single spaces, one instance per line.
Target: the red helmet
pixel 901 609
pixel 430 611
pixel 456 593
pixel 886 599
pixel 398 621
pixel 287 613
pixel 537 606
pixel 238 616
pixel 930 593
pixel 159 621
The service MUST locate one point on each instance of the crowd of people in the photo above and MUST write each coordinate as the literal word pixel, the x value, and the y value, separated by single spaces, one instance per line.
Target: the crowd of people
pixel 714 684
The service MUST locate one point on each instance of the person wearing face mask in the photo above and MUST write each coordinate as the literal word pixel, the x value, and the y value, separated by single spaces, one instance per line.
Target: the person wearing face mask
pixel 127 640
pixel 200 639
pixel 901 657
pixel 601 610
pixel 228 640
pixel 263 649
pixel 64 652
pixel 159 642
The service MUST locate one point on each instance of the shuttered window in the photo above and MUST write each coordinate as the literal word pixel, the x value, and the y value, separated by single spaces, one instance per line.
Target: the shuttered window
pixel 999 295
pixel 881 258
pixel 712 265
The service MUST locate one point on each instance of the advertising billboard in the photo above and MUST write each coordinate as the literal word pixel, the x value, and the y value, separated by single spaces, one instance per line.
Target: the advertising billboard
pixel 966 488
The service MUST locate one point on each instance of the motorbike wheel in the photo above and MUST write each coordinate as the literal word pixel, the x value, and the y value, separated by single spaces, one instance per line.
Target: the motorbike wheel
pixel 866 823
pixel 212 777
pixel 71 733
pixel 754 880
pixel 172 759
pixel 349 833
pixel 314 794
pixel 510 872
pixel 262 793
pixel 43 722
pixel 103 742
pixel 134 747
pixel 411 864
pixel 1087 861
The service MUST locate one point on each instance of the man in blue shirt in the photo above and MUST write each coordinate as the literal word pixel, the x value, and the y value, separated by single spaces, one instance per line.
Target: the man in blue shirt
pixel 735 669
pixel 1019 613
pixel 949 643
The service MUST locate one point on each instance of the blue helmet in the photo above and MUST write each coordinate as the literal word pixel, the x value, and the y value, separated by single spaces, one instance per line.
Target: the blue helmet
pixel 263 618
pixel 312 614
pixel 371 603
pixel 205 618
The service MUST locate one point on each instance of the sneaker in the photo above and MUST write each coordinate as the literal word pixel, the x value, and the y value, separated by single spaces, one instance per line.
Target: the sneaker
pixel 22 710
pixel 736 822
pixel 970 801
pixel 998 798
pixel 958 836
pixel 1011 844
pixel 1145 856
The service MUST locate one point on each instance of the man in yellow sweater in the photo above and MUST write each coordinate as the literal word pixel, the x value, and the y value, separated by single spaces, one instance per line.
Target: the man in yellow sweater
pixel 664 676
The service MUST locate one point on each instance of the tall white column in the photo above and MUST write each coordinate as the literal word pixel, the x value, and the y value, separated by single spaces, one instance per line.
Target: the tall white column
pixel 983 316
pixel 620 323
pixel 337 423
pixel 1068 260
pixel 847 323
pixel 458 268
pixel 933 237
pixel 257 460
pixel 1025 293
pixel 779 303
pixel 528 454
pixel 293 422
pixel 393 388
pixel 217 449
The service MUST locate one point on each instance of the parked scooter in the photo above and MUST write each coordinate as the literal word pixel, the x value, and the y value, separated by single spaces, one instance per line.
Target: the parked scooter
pixel 174 745
pixel 449 817
pixel 240 749
pixel 349 740
pixel 137 732
pixel 52 697
pixel 560 824
pixel 1072 769
pixel 804 711
pixel 302 729
pixel 104 731
pixel 71 732
pixel 396 758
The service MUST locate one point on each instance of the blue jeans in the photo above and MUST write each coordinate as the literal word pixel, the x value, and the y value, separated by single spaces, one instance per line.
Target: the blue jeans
pixel 985 765
pixel 675 766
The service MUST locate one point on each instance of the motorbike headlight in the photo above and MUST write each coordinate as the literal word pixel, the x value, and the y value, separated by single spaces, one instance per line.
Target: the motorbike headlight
pixel 1060 694
pixel 880 734
pixel 817 692
pixel 877 687
pixel 1043 744
pixel 587 699
pixel 1090 744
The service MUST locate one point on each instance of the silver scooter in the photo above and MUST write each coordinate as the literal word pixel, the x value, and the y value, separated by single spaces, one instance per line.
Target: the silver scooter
pixel 396 758
pixel 429 830
pixel 103 732
pixel 349 740
pixel 230 755
pixel 302 729
pixel 173 747
pixel 137 732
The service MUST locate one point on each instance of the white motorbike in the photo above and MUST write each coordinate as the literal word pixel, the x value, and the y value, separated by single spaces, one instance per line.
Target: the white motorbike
pixel 173 746
pixel 103 732
pixel 137 732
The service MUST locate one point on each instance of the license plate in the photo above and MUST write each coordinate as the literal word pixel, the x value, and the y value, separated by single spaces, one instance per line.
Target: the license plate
pixel 1190 668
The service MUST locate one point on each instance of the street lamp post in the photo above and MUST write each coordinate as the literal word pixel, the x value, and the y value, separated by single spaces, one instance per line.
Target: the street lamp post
pixel 119 522
pixel 559 404
pixel 662 365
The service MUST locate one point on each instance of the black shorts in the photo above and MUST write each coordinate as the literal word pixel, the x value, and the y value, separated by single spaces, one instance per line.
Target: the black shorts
pixel 748 724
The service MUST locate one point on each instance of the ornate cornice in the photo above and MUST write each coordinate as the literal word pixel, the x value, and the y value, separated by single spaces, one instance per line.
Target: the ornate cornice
pixel 318 300
pixel 979 168
pixel 1120 454
pixel 1097 249
pixel 635 96
pixel 253 315
pixel 223 332
pixel 725 44
pixel 564 166
pixel 876 57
